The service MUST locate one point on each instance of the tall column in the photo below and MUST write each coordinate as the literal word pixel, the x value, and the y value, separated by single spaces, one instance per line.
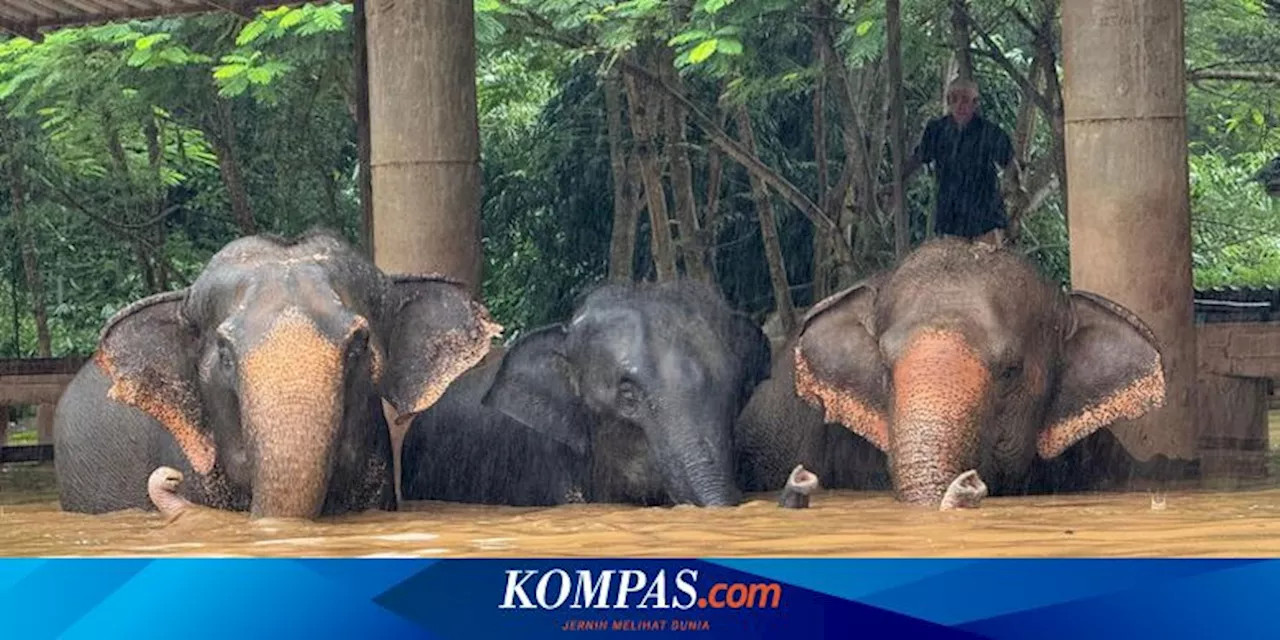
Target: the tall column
pixel 424 145
pixel 424 137
pixel 1130 220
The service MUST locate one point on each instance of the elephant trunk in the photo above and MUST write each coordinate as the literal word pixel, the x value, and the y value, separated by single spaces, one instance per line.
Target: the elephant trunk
pixel 291 401
pixel 293 462
pixel 939 386
pixel 698 465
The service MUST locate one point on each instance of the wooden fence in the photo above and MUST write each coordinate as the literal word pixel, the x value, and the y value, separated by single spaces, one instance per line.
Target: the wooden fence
pixel 33 381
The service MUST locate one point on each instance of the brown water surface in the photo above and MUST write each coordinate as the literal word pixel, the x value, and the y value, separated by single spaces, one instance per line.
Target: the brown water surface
pixel 839 523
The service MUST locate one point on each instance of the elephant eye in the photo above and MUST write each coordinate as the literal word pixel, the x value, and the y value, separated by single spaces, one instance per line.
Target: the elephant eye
pixel 226 360
pixel 628 395
pixel 359 342
pixel 1011 372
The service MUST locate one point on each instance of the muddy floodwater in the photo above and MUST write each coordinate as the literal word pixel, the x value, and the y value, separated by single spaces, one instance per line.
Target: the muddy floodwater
pixel 1192 522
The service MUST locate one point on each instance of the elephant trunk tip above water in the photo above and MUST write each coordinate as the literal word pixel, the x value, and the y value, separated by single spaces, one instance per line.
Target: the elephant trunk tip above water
pixel 263 381
pixel 966 358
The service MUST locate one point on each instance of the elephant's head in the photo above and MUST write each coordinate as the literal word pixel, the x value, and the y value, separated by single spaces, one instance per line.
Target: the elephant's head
pixel 668 365
pixel 272 364
pixel 965 357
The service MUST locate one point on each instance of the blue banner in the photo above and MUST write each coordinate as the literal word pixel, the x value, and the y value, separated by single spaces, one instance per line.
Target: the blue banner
pixel 550 598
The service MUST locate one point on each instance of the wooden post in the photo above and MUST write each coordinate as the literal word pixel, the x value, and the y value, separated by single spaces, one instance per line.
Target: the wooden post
pixel 1126 152
pixel 424 138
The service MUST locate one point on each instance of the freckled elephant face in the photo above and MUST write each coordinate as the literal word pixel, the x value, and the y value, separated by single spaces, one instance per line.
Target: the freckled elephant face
pixel 965 357
pixel 269 357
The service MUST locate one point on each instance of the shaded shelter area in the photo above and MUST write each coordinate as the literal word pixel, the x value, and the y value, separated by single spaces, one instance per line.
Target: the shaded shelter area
pixel 420 176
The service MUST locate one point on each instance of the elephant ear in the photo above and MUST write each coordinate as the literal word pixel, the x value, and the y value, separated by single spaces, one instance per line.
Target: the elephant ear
pixel 755 358
pixel 1112 370
pixel 838 367
pixel 147 351
pixel 536 386
pixel 436 331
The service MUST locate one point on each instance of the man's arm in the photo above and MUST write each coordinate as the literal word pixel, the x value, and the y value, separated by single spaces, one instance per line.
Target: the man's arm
pixel 922 153
pixel 912 165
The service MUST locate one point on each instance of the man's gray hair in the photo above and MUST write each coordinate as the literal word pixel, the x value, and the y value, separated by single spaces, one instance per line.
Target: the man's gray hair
pixel 962 83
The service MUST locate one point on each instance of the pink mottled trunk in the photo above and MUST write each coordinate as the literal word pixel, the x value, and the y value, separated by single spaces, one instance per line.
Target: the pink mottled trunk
pixel 939 386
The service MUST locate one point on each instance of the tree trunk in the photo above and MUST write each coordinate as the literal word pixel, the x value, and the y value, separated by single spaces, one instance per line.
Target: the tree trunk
pixel 715 179
pixel 1053 90
pixel 360 69
pixel 642 120
pixel 960 39
pixel 769 233
pixel 901 222
pixel 749 161
pixel 325 174
pixel 858 182
pixel 224 144
pixel 27 242
pixel 622 243
pixel 821 241
pixel 691 248
pixel 1025 125
pixel 155 158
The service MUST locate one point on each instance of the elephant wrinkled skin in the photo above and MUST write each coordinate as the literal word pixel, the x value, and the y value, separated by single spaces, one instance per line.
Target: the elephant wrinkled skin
pixel 962 357
pixel 262 383
pixel 630 402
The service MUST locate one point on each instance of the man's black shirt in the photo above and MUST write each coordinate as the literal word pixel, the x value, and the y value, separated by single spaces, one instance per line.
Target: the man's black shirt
pixel 968 193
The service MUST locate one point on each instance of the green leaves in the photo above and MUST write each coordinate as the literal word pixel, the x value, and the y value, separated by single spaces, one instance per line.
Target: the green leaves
pixel 239 72
pixel 729 46
pixel 722 41
pixel 1233 223
pixel 712 7
pixel 255 66
pixel 147 55
pixel 305 20
pixel 702 51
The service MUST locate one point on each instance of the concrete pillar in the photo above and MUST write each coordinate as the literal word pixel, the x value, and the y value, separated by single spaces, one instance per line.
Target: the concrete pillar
pixel 424 137
pixel 1126 148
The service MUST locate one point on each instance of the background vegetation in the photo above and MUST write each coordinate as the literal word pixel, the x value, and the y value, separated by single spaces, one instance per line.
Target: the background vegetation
pixel 132 152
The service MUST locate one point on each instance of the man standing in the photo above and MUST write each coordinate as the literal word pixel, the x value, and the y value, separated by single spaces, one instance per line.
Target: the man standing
pixel 965 149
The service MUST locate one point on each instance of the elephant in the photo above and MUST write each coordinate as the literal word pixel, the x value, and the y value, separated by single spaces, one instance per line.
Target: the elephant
pixel 963 356
pixel 264 382
pixel 631 401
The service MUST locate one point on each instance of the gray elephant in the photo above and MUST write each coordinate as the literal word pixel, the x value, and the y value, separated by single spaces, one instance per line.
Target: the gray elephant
pixel 962 357
pixel 632 401
pixel 263 382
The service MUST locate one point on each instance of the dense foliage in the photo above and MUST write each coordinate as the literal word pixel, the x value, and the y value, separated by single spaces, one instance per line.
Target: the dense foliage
pixel 134 151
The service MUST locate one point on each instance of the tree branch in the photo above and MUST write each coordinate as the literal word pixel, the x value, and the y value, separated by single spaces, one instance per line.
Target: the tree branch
pixel 993 51
pixel 728 145
pixel 1265 77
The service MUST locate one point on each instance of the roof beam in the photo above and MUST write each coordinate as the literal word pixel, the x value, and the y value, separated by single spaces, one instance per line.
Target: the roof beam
pixel 28 31
pixel 231 6
pixel 28 28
